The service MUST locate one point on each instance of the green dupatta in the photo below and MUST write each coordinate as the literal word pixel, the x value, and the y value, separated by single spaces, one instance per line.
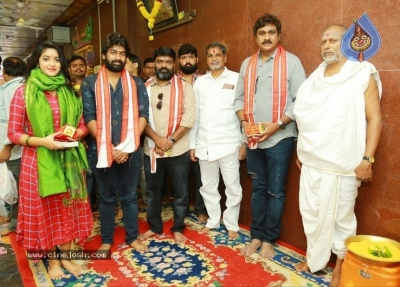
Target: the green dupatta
pixel 64 170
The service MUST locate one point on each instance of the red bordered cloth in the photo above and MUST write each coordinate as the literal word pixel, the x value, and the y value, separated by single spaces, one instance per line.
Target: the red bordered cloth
pixel 130 137
pixel 279 88
pixel 175 115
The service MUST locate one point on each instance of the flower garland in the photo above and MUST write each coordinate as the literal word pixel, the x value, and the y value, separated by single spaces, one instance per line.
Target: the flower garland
pixel 149 17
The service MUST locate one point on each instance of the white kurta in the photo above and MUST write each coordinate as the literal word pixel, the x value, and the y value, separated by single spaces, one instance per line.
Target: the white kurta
pixel 216 138
pixel 217 129
pixel 330 115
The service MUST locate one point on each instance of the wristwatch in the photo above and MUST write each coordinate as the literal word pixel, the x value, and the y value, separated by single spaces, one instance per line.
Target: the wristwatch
pixel 370 159
pixel 282 126
pixel 171 138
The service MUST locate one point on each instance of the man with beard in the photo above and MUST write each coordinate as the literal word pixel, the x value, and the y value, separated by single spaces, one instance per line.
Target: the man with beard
pixel 172 113
pixel 265 95
pixel 116 112
pixel 216 140
pixel 339 119
pixel 187 59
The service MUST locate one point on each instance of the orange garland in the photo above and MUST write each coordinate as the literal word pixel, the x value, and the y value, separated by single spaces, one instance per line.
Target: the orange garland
pixel 149 17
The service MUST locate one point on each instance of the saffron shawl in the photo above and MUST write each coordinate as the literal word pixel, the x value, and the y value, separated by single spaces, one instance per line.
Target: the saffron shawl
pixel 130 137
pixel 175 115
pixel 279 88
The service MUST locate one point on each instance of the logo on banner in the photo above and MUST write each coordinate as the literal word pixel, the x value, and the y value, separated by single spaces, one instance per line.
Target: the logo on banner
pixel 361 41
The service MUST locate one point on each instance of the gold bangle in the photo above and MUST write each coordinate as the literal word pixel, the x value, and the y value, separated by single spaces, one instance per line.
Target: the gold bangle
pixel 27 140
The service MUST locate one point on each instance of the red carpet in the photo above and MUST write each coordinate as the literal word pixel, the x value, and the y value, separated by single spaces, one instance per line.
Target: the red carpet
pixel 204 260
pixel 23 263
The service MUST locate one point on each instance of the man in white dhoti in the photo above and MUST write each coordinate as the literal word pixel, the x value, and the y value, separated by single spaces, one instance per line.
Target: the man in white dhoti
pixel 216 140
pixel 339 120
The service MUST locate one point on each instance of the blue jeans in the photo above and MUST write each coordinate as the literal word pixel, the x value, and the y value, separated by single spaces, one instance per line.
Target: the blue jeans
pixel 143 188
pixel 178 170
pixel 268 169
pixel 119 180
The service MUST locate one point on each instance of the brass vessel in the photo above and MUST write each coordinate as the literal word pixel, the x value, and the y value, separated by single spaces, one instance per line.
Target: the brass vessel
pixel 374 239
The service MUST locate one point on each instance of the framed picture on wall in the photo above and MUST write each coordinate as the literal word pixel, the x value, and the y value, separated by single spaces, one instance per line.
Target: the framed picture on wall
pixel 167 14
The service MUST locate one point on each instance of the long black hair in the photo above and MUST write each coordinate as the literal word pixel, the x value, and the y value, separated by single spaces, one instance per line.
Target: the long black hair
pixel 33 61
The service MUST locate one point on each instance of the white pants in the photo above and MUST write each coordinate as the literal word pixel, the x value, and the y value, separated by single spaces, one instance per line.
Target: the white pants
pixel 327 210
pixel 229 166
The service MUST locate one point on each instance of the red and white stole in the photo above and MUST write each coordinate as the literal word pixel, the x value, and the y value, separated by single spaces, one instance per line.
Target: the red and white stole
pixel 279 88
pixel 130 137
pixel 174 119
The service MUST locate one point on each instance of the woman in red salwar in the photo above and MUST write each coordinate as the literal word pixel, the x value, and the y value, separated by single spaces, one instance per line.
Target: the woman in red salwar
pixel 53 205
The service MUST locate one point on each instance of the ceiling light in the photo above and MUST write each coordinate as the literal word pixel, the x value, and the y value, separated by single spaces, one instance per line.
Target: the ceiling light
pixel 20 22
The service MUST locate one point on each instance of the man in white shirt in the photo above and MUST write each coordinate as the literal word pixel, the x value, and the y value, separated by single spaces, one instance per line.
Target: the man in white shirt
pixel 13 70
pixel 216 140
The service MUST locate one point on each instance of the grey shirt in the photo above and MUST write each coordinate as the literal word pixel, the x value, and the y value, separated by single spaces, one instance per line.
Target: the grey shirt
pixel 263 94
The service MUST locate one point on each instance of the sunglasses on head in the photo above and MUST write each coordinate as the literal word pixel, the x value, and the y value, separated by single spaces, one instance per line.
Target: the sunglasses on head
pixel 159 104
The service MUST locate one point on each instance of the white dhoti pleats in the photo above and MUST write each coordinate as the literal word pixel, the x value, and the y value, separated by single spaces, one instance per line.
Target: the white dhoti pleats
pixel 327 207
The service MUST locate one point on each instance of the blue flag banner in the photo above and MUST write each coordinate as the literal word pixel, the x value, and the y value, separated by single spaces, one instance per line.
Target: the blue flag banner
pixel 361 41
